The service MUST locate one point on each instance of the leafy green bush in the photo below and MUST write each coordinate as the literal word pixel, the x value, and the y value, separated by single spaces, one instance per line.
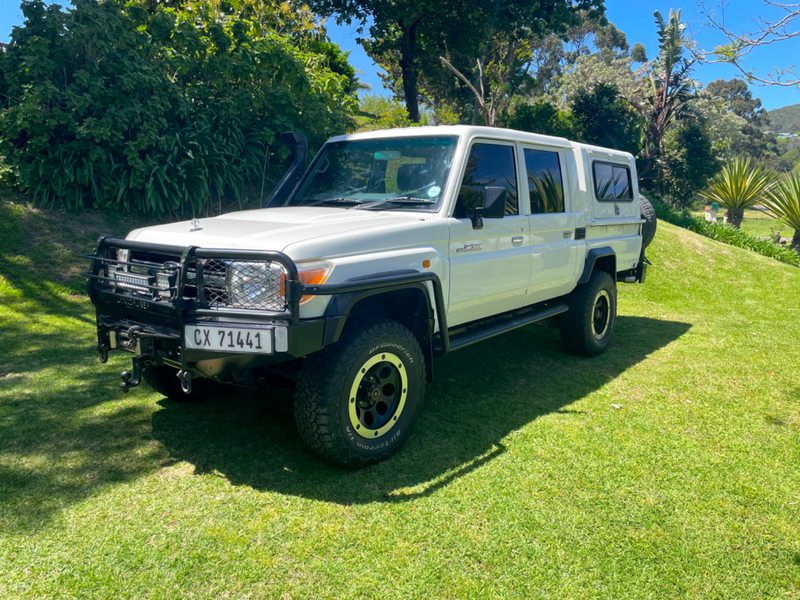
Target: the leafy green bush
pixel 122 105
pixel 722 232
pixel 689 160
pixel 541 117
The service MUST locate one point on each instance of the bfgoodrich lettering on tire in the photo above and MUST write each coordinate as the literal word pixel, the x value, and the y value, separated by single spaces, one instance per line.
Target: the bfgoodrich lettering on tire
pixel 587 327
pixel 357 400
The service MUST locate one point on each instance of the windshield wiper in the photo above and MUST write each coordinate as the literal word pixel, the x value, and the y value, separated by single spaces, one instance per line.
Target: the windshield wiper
pixel 352 201
pixel 396 200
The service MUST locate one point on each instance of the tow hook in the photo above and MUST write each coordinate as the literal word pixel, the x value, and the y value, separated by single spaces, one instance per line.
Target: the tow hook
pixel 126 376
pixel 186 381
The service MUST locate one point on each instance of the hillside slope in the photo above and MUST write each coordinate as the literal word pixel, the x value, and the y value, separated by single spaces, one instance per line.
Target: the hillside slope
pixel 665 468
pixel 785 119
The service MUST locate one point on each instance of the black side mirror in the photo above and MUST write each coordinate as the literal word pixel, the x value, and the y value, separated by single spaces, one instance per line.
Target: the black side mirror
pixel 494 202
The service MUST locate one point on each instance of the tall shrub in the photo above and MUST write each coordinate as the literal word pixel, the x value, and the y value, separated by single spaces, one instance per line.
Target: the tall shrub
pixel 783 200
pixel 156 110
pixel 738 186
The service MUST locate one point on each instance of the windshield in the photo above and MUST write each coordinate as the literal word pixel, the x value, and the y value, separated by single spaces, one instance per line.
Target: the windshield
pixel 380 174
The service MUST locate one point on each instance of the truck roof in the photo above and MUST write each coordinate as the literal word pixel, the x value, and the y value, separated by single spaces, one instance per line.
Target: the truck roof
pixel 472 131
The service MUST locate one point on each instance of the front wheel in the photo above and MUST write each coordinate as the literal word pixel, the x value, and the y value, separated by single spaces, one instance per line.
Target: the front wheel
pixel 357 400
pixel 587 327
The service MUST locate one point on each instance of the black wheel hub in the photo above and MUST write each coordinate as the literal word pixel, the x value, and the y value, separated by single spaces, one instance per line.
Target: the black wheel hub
pixel 378 395
pixel 601 315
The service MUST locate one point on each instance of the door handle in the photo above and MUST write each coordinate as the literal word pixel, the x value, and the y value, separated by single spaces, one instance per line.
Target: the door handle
pixel 516 239
pixel 567 233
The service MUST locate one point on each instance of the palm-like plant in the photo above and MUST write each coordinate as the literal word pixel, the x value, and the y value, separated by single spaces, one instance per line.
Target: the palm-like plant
pixel 670 91
pixel 739 185
pixel 783 199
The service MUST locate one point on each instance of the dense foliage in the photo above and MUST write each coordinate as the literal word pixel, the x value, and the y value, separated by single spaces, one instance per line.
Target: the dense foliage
pixel 156 109
pixel 689 161
pixel 407 37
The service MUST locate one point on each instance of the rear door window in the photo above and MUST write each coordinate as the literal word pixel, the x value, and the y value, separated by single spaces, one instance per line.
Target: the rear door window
pixel 545 185
pixel 612 182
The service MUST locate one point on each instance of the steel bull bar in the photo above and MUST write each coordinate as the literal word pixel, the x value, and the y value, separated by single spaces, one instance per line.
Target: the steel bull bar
pixel 146 312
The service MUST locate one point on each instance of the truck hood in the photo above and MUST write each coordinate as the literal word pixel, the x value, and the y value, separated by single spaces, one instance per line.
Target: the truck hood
pixel 270 228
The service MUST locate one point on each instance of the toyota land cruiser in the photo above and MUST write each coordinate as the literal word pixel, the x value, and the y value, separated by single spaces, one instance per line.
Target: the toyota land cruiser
pixel 391 248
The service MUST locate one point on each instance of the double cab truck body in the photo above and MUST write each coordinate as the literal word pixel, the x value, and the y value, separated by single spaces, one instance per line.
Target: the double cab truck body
pixel 391 248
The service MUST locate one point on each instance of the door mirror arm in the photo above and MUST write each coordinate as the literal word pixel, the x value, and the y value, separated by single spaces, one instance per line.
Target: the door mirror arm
pixel 477 218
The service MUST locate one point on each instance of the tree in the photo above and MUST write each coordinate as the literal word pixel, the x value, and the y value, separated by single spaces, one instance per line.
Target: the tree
pixel 408 26
pixel 669 95
pixel 602 118
pixel 738 186
pixel 689 161
pixel 741 44
pixel 589 71
pixel 739 101
pixel 541 117
pixel 639 54
pixel 611 42
pixel 725 128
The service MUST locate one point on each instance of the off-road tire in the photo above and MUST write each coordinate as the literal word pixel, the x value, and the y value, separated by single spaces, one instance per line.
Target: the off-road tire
pixel 164 380
pixel 650 222
pixel 578 334
pixel 323 394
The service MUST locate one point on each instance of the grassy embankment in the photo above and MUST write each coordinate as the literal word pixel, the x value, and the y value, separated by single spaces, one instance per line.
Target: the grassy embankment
pixel 522 479
pixel 757 222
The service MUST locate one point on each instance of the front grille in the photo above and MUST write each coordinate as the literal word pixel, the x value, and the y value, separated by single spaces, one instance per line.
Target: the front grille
pixel 253 285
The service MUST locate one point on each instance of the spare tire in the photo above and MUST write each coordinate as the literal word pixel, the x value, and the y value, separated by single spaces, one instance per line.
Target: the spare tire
pixel 649 226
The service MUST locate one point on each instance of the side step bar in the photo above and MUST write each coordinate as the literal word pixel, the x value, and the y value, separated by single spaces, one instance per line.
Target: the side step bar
pixel 504 325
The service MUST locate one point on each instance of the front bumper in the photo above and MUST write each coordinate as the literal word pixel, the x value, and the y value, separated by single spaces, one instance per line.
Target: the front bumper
pixel 151 323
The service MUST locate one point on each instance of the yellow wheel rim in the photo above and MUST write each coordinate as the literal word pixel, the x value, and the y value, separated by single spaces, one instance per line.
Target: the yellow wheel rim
pixel 378 395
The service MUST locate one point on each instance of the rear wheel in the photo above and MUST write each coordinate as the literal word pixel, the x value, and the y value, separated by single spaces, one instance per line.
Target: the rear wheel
pixel 165 381
pixel 357 400
pixel 587 327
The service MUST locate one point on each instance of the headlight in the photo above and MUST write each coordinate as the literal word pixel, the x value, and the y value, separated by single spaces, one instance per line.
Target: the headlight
pixel 123 255
pixel 257 285
pixel 313 272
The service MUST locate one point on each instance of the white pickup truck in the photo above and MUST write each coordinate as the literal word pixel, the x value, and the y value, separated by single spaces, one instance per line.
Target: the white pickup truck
pixel 391 248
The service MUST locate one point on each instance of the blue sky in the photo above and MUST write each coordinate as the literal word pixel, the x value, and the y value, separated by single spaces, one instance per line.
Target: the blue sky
pixel 634 18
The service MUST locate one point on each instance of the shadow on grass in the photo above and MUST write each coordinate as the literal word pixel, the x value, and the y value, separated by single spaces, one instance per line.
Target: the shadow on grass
pixel 35 252
pixel 57 448
pixel 478 398
pixel 63 442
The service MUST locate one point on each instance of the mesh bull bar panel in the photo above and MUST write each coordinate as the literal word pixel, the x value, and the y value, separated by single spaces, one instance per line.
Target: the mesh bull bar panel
pixel 276 268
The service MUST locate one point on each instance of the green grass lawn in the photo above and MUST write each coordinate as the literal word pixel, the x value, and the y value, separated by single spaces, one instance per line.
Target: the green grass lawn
pixel 522 480
pixel 758 223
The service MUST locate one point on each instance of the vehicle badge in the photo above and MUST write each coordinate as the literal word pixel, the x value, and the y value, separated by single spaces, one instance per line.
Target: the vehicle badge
pixel 195 225
pixel 469 248
pixel 616 210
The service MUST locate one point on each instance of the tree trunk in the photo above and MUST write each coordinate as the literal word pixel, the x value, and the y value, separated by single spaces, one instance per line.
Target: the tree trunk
pixel 408 65
pixel 735 216
pixel 796 240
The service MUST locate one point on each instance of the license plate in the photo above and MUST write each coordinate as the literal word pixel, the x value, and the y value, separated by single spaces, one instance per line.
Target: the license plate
pixel 229 339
